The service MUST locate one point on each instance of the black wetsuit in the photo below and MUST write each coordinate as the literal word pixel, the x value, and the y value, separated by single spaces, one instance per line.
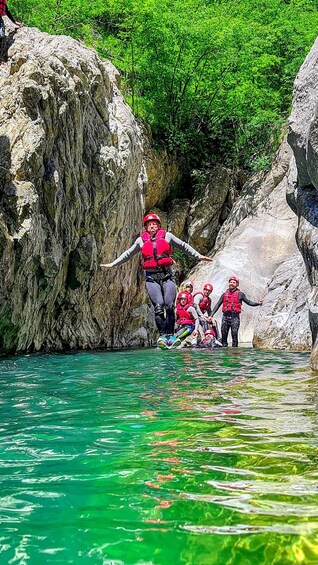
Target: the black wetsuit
pixel 161 288
pixel 160 283
pixel 231 320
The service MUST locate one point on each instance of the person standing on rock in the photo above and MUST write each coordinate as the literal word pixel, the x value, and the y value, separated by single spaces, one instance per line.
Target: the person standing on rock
pixel 4 11
pixel 231 301
pixel 155 245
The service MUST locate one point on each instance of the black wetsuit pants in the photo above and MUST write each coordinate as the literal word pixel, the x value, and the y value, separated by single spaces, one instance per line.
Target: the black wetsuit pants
pixel 230 320
pixel 162 292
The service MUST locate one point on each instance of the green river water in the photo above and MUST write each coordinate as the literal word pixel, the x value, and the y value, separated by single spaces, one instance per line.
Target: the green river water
pixel 154 457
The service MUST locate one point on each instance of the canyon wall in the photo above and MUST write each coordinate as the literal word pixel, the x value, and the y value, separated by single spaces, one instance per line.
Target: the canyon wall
pixel 72 183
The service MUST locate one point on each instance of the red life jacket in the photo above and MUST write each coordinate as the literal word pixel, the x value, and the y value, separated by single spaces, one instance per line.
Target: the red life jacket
pixel 231 301
pixel 156 250
pixel 3 4
pixel 184 318
pixel 205 304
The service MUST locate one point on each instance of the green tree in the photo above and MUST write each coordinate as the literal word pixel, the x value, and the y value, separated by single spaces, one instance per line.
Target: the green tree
pixel 213 78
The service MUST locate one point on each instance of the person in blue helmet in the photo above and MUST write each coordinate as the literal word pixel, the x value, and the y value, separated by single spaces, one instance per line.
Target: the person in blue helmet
pixel 155 245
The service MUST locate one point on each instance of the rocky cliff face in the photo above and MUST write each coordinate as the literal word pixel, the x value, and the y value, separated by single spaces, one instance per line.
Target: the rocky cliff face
pixel 257 241
pixel 72 183
pixel 72 192
pixel 303 191
pixel 257 244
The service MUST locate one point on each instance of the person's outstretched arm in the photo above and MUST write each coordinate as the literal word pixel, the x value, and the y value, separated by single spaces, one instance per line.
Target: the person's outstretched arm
pixel 218 304
pixel 197 300
pixel 243 298
pixel 125 256
pixel 183 246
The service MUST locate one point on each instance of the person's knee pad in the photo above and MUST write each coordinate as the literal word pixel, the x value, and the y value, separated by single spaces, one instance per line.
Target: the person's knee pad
pixel 170 307
pixel 159 310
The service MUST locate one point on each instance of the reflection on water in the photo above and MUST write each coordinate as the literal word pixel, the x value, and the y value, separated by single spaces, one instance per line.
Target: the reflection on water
pixel 158 457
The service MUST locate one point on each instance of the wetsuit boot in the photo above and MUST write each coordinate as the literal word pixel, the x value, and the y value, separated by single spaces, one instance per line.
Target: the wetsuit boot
pixel 162 342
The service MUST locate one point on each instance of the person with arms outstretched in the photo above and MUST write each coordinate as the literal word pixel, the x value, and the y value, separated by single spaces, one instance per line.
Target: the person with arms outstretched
pixel 231 301
pixel 155 245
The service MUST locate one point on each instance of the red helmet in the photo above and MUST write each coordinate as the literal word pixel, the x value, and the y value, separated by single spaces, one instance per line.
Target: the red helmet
pixel 208 286
pixel 183 295
pixel 150 217
pixel 210 332
pixel 233 278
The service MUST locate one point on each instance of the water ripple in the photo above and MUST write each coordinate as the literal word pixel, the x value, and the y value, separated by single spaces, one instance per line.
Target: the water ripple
pixel 143 457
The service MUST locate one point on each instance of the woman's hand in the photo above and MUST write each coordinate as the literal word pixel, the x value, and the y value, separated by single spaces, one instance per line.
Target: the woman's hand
pixel 204 258
pixel 106 265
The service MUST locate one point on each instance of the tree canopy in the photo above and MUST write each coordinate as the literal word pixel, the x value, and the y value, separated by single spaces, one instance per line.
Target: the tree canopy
pixel 213 78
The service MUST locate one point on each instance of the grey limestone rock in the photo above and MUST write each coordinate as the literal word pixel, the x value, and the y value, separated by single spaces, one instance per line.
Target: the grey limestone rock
pixel 72 181
pixel 303 192
pixel 284 320
pixel 207 206
pixel 257 244
pixel 178 215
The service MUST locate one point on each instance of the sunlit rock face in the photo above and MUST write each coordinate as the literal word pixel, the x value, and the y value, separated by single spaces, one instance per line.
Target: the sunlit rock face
pixel 283 323
pixel 72 183
pixel 212 200
pixel 164 173
pixel 257 244
pixel 303 192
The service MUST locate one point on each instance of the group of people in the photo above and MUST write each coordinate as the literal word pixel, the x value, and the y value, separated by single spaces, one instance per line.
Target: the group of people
pixel 184 318
pixel 195 326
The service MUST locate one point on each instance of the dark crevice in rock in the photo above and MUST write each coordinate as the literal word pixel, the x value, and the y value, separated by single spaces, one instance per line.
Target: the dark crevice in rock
pixel 307 204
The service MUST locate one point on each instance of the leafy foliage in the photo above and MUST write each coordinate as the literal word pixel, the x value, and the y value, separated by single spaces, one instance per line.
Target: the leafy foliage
pixel 213 77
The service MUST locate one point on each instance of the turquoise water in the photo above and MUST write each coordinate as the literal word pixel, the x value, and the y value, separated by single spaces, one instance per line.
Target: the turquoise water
pixel 154 457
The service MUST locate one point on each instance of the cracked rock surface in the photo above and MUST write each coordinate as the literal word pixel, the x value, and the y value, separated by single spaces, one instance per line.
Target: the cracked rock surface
pixel 303 192
pixel 72 182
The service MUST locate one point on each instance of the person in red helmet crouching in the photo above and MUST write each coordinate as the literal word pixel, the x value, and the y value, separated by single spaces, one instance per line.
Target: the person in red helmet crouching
pixel 155 245
pixel 231 301
pixel 187 322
